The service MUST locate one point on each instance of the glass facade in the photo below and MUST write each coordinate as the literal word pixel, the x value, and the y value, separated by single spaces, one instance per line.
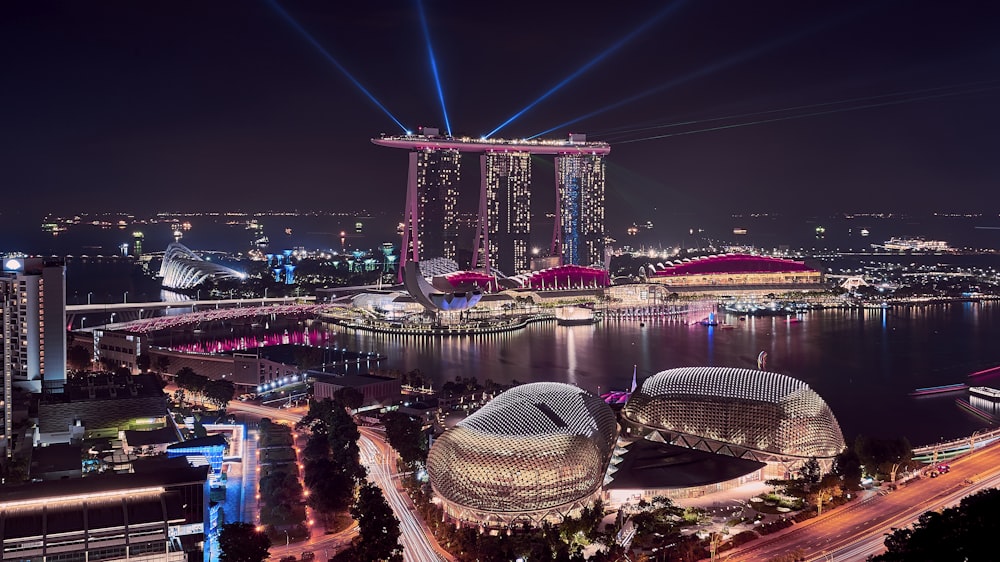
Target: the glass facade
pixel 508 194
pixel 437 196
pixel 581 208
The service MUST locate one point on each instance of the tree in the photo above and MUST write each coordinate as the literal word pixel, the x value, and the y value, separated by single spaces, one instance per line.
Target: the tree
pixel 964 532
pixel 79 357
pixel 883 456
pixel 162 363
pixel 186 378
pixel 143 362
pixel 377 526
pixel 811 470
pixel 847 465
pixel 220 392
pixel 405 434
pixel 242 542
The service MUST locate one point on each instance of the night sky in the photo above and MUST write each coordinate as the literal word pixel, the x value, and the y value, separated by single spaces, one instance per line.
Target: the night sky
pixel 214 105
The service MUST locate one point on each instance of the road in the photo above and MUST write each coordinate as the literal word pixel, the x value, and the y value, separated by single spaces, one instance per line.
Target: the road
pixel 856 531
pixel 418 542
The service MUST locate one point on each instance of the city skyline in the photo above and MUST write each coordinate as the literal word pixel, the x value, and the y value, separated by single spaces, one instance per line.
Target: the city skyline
pixel 886 104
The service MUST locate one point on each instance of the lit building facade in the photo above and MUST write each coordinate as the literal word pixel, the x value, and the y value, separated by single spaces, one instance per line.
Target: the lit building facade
pixel 161 516
pixel 33 313
pixel 505 195
pixel 579 236
pixel 507 178
pixel 736 271
pixel 744 413
pixel 536 452
pixel 436 174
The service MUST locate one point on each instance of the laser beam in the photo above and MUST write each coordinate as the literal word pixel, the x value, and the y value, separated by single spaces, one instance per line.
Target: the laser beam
pixel 625 133
pixel 705 71
pixel 434 66
pixel 600 56
pixel 326 54
pixel 812 114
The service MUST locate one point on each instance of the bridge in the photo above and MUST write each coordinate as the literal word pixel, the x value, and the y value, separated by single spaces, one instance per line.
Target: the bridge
pixel 948 450
pixel 124 312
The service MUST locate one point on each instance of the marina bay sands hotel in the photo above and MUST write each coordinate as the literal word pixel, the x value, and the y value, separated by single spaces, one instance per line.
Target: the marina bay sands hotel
pixel 502 239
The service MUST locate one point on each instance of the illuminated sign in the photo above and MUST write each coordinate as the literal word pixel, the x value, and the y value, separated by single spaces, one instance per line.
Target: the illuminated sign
pixel 13 265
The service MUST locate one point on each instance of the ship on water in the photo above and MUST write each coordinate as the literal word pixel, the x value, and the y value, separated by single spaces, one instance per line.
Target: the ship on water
pixel 914 244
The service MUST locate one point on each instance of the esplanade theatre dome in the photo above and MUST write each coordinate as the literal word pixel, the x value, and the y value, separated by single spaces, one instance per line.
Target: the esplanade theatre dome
pixel 535 452
pixel 746 413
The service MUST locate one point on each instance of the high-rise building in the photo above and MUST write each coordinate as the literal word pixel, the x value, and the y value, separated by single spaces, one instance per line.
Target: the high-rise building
pixel 580 224
pixel 437 174
pixel 137 238
pixel 507 177
pixel 430 223
pixel 33 342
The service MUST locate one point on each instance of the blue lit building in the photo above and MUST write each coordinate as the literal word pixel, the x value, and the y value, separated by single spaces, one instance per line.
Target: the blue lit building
pixel 212 448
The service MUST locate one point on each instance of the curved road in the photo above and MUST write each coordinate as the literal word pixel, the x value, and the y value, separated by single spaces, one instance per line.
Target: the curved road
pixel 376 455
pixel 856 530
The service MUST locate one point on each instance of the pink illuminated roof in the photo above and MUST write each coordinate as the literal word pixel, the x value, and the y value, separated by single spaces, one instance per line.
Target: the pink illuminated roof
pixel 565 276
pixel 539 146
pixel 733 263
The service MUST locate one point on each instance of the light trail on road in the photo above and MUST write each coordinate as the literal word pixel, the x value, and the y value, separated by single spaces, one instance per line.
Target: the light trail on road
pixel 856 530
pixel 418 544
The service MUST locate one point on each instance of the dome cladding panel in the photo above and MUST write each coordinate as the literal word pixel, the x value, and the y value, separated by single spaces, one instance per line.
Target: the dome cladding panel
pixel 534 447
pixel 755 409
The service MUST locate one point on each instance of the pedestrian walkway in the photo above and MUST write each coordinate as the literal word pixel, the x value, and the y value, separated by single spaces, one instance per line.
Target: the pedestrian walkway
pixel 250 509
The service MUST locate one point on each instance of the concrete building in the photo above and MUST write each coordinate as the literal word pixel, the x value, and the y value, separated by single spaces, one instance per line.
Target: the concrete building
pixel 377 391
pixel 33 318
pixel 151 515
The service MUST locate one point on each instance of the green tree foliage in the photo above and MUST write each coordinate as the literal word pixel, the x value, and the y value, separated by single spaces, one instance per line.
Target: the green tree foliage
pixel 847 465
pixel 962 533
pixel 189 380
pixel 241 542
pixel 331 460
pixel 406 436
pixel 79 357
pixel 377 526
pixel 220 392
pixel 143 362
pixel 878 456
pixel 811 470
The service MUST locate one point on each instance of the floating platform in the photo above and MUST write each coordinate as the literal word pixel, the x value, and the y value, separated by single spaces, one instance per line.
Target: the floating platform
pixel 986 392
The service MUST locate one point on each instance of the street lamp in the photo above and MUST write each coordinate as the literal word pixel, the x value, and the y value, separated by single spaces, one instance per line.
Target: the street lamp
pixel 88 296
pixel 83 322
pixel 112 317
pixel 125 297
pixel 286 538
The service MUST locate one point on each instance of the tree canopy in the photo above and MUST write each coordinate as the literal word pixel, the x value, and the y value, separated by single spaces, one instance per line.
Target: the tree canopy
pixel 241 542
pixel 377 526
pixel 961 533
pixel 405 434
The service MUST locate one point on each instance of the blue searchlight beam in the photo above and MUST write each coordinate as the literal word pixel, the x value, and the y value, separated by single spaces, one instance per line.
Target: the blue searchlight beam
pixel 434 67
pixel 326 54
pixel 601 56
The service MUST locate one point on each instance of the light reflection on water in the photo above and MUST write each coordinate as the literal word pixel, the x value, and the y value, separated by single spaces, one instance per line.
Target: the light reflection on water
pixel 863 362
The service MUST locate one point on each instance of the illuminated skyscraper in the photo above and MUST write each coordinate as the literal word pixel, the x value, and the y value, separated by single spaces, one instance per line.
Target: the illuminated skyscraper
pixel 429 225
pixel 579 236
pixel 507 192
pixel 437 174
pixel 33 343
